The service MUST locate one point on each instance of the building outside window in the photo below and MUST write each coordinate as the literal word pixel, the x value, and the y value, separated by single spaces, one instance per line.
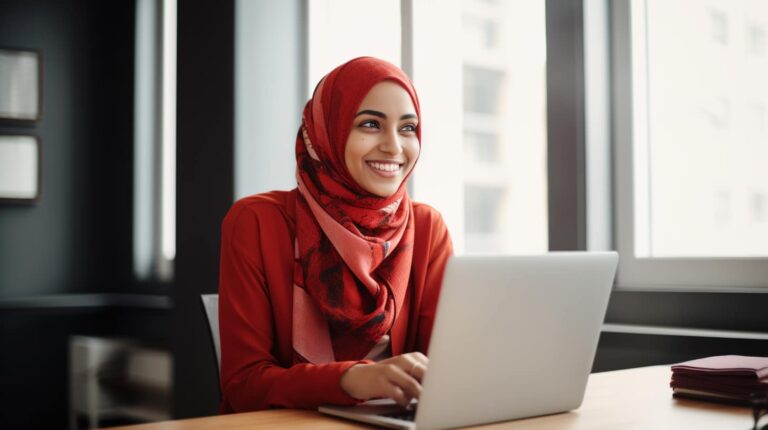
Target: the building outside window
pixel 504 121
pixel 691 147
pixel 688 153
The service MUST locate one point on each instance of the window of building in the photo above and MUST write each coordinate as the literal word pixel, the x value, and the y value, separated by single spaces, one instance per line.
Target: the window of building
pixel 482 208
pixel 719 27
pixel 756 123
pixel 481 147
pixel 758 207
pixel 481 89
pixel 757 39
pixel 481 32
pixel 722 208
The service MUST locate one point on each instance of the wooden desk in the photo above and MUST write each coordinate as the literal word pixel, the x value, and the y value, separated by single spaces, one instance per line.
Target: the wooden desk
pixel 624 399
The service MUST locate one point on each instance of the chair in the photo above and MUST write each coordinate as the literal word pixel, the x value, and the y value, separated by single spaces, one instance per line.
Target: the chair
pixel 211 306
pixel 117 380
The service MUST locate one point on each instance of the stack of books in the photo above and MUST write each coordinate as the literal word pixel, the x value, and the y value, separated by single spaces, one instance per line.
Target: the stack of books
pixel 727 378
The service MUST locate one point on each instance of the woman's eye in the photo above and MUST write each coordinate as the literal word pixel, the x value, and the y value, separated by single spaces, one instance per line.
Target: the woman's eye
pixel 409 127
pixel 369 124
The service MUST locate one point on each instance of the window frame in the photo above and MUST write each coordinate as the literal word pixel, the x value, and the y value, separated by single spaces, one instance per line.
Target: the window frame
pixel 694 274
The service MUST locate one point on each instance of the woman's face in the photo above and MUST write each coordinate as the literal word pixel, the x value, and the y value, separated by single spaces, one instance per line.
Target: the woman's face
pixel 382 147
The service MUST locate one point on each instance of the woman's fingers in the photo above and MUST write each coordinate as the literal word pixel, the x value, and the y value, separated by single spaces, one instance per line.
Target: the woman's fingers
pixel 418 371
pixel 421 358
pixel 404 374
pixel 407 383
pixel 398 378
pixel 414 364
pixel 396 393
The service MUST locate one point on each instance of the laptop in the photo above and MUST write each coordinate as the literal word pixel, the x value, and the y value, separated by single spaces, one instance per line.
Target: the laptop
pixel 514 337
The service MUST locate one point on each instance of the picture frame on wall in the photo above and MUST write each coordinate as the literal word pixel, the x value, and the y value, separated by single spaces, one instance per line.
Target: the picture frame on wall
pixel 21 89
pixel 20 169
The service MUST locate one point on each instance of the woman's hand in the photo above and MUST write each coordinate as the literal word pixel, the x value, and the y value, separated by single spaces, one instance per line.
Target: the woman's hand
pixel 398 378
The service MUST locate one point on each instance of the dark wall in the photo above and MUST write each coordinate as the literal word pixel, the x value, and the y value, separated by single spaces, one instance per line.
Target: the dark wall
pixel 622 350
pixel 739 312
pixel 78 238
pixel 205 190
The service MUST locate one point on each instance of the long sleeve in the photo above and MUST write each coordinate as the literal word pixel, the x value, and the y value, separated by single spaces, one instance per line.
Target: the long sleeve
pixel 252 376
pixel 440 250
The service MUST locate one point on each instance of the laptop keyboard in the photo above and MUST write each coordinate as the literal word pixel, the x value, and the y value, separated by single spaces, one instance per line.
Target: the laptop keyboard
pixel 405 414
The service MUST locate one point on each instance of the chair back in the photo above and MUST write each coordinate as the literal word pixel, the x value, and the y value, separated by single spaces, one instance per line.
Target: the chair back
pixel 211 306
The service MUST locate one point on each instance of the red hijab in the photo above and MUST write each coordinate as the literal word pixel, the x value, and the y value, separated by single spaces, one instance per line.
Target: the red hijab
pixel 353 248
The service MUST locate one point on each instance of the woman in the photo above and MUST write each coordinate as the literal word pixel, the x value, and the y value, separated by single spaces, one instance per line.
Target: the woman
pixel 328 291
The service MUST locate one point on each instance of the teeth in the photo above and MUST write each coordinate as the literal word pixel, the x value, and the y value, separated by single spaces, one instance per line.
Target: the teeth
pixel 386 167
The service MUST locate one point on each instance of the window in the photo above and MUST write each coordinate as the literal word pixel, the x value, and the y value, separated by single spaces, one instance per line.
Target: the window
pixel 154 232
pixel 757 40
pixel 758 207
pixel 341 30
pixel 268 100
pixel 719 26
pixel 755 127
pixel 494 198
pixel 479 67
pixel 684 124
pixel 722 208
pixel 481 32
pixel 482 207
pixel 481 147
pixel 481 89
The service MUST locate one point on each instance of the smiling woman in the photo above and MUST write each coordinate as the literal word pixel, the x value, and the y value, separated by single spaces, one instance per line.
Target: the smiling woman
pixel 328 291
pixel 382 147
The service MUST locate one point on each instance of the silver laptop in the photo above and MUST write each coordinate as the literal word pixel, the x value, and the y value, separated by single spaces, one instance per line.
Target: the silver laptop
pixel 514 337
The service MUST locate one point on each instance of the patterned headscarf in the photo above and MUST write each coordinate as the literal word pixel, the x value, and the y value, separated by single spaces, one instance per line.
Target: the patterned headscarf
pixel 353 248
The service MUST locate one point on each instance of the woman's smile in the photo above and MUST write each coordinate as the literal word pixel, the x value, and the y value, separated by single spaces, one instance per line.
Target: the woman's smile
pixel 386 169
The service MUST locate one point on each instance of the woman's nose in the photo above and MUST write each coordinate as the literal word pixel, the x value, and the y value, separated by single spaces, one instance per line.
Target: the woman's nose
pixel 391 143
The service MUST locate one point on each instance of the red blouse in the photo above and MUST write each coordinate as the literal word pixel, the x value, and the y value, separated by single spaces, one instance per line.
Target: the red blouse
pixel 256 304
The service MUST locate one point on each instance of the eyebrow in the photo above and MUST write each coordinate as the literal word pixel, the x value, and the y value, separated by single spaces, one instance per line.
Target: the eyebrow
pixel 383 115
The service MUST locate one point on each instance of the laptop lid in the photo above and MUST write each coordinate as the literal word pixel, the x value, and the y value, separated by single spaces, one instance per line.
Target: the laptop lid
pixel 514 336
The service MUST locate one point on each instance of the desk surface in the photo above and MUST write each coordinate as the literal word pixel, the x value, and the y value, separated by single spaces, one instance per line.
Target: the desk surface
pixel 623 399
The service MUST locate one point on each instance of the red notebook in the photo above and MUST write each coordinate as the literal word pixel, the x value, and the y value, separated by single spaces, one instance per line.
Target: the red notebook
pixel 725 378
